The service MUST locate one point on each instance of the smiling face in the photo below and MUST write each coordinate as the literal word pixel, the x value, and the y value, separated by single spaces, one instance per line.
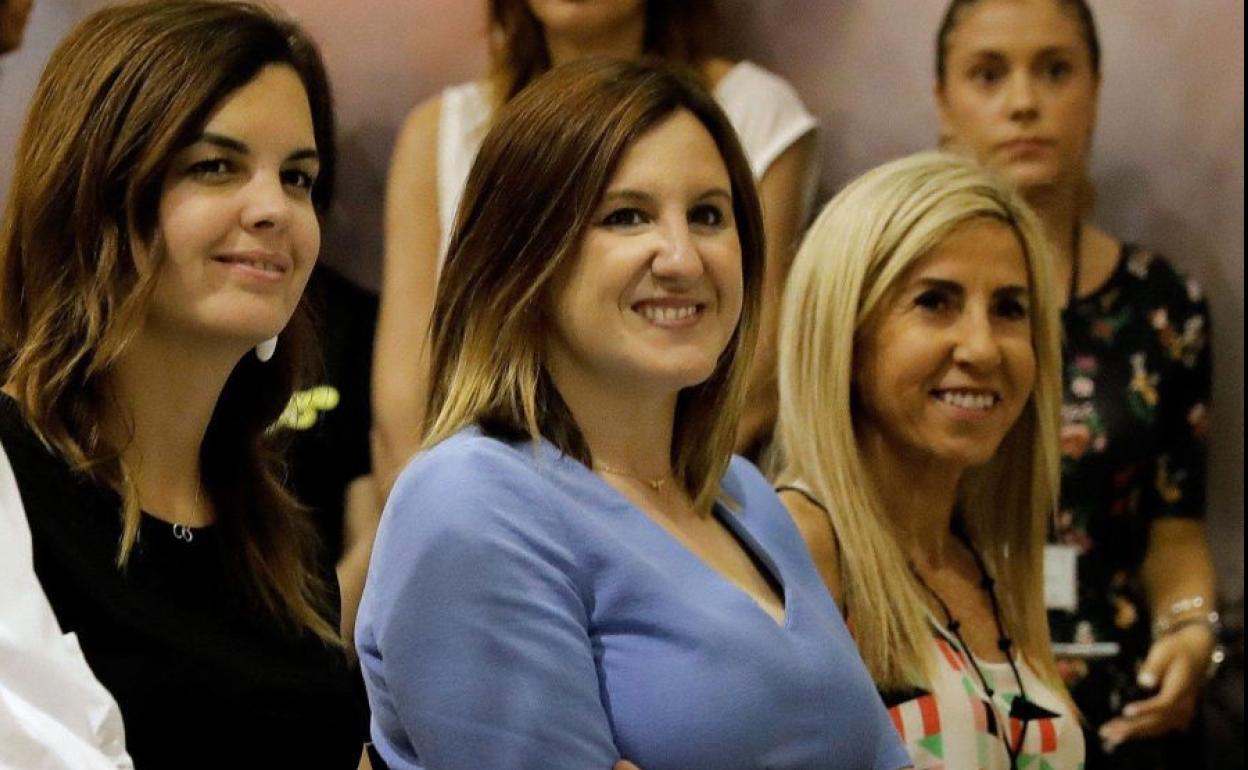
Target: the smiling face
pixel 1020 91
pixel 654 295
pixel 945 365
pixel 236 221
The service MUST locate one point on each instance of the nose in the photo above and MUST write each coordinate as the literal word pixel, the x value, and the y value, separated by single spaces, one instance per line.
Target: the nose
pixel 976 345
pixel 266 205
pixel 676 256
pixel 1021 97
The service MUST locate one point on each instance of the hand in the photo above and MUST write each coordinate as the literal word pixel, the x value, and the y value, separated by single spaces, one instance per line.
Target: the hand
pixel 1176 666
pixel 624 764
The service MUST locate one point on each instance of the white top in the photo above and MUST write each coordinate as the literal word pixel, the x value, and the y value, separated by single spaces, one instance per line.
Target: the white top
pixel 957 724
pixel 53 712
pixel 765 110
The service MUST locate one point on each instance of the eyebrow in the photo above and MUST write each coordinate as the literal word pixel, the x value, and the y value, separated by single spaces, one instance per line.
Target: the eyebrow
pixel 234 145
pixel 1012 290
pixel 1050 50
pixel 643 197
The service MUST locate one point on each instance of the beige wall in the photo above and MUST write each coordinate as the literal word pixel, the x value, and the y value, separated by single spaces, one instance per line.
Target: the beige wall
pixel 1169 160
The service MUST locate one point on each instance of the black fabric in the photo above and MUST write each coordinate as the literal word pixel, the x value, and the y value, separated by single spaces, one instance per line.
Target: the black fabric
pixel 203 677
pixel 329 446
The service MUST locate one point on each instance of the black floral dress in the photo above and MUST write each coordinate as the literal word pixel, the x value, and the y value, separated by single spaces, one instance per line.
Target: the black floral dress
pixel 1134 425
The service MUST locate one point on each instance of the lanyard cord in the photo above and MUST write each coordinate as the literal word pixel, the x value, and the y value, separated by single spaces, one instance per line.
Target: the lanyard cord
pixel 1004 643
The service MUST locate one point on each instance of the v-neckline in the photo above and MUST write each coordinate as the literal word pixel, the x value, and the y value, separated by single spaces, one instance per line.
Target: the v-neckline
pixel 736 530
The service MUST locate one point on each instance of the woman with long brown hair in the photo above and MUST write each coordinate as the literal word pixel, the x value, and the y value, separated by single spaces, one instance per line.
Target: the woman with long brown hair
pixel 162 223
pixel 1017 85
pixel 574 569
pixel 437 144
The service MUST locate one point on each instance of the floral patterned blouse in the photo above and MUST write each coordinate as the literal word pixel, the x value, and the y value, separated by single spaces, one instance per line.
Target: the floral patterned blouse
pixel 1134 426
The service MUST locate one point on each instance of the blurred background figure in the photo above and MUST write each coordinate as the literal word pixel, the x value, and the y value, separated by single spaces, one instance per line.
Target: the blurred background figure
pixel 13 17
pixel 1131 580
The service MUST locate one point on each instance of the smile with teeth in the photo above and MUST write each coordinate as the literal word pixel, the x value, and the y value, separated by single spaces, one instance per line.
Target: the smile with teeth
pixel 968 399
pixel 667 314
pixel 255 264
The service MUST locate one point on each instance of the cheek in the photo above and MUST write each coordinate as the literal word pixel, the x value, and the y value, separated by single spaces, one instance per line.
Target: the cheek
pixel 307 237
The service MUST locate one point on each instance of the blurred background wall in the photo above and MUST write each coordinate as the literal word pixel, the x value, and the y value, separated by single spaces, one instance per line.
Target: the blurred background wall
pixel 1169 153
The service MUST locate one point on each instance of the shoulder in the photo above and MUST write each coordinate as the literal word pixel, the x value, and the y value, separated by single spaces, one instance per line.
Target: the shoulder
pixel 766 111
pixel 1155 278
pixel 28 455
pixel 758 506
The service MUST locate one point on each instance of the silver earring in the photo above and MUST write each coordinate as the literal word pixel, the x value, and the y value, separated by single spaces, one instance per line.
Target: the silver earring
pixel 266 349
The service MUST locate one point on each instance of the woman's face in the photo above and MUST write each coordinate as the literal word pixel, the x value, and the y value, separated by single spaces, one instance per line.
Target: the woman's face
pixel 1019 91
pixel 945 365
pixel 655 294
pixel 580 18
pixel 236 220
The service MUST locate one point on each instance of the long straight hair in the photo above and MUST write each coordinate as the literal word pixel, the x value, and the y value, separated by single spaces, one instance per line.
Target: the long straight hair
pixel 532 191
pixel 861 244
pixel 128 88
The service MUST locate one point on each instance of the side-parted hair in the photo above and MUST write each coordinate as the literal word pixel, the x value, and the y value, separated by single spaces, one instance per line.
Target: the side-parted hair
pixel 535 185
pixel 676 30
pixel 854 255
pixel 955 9
pixel 127 89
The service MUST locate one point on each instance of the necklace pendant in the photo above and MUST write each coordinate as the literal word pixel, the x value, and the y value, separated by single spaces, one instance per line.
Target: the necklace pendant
pixel 183 533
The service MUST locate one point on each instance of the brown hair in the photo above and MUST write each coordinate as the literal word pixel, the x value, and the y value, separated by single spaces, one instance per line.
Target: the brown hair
pixel 678 30
pixel 955 9
pixel 126 90
pixel 533 188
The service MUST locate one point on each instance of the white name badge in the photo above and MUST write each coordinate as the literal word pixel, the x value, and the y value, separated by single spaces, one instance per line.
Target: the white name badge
pixel 1061 577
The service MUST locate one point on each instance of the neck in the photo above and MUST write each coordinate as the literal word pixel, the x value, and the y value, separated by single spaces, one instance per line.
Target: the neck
pixel 1059 210
pixel 165 391
pixel 918 496
pixel 626 41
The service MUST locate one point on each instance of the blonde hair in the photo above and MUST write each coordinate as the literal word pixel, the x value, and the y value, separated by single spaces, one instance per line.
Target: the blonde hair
pixel 530 196
pixel 858 248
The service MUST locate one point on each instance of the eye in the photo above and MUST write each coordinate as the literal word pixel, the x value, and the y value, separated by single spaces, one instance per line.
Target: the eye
pixel 1011 309
pixel 299 179
pixel 1058 70
pixel 707 214
pixel 625 217
pixel 933 300
pixel 987 74
pixel 210 168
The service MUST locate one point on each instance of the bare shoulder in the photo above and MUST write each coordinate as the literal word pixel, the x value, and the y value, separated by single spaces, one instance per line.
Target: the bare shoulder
pixel 419 132
pixel 816 529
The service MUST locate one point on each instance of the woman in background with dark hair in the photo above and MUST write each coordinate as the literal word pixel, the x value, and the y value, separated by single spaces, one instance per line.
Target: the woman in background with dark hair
pixel 574 569
pixel 162 223
pixel 440 138
pixel 1017 87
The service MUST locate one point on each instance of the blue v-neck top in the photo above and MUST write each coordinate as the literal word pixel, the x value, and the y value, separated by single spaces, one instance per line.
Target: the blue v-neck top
pixel 521 613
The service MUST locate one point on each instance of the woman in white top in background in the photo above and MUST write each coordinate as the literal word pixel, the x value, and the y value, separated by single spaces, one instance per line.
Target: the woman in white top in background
pixel 440 138
pixel 920 388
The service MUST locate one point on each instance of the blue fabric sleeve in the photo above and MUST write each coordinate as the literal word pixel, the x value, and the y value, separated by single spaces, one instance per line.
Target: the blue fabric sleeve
pixel 480 627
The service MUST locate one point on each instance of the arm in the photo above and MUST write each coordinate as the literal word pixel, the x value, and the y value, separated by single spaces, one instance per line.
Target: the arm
pixel 409 285
pixel 780 191
pixel 361 513
pixel 480 629
pixel 1177 566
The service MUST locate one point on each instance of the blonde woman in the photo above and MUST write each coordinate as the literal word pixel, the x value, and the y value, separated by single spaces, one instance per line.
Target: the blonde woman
pixel 920 388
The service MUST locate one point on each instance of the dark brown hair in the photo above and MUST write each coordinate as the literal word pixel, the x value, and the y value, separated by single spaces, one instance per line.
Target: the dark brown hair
pixel 536 182
pixel 953 13
pixel 124 92
pixel 678 30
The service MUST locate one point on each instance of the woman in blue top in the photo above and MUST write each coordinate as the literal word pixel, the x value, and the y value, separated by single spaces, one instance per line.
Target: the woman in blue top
pixel 574 570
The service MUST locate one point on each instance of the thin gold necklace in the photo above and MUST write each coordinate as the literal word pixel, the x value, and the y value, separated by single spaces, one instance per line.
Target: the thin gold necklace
pixel 655 484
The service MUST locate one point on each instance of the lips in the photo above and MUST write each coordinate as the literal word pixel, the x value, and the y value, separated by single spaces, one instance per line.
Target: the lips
pixel 973 399
pixel 262 263
pixel 1026 145
pixel 668 312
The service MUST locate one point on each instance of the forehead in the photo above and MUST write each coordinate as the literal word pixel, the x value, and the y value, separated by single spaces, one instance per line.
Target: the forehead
pixel 982 251
pixel 1015 25
pixel 273 101
pixel 677 151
